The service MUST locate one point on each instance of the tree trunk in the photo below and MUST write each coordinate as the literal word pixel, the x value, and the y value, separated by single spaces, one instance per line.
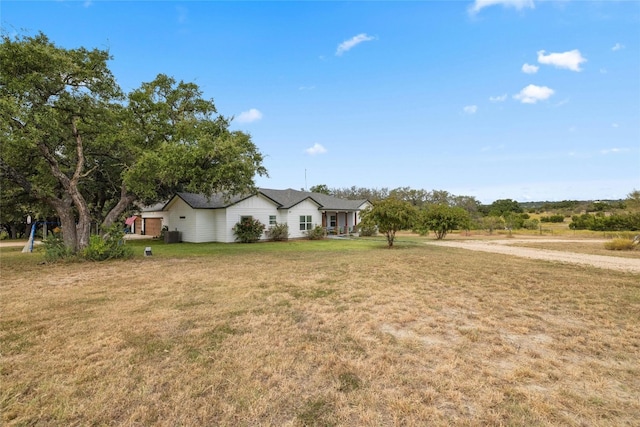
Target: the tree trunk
pixel 13 229
pixel 119 208
pixel 67 220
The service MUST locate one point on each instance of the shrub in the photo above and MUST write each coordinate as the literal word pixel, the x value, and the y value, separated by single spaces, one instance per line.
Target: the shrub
pixel 55 249
pixel 4 235
pixel 552 218
pixel 248 230
pixel 316 233
pixel 109 246
pixel 367 230
pixel 620 245
pixel 278 232
pixel 531 224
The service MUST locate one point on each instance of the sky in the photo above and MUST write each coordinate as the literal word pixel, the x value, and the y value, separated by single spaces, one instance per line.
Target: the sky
pixel 528 100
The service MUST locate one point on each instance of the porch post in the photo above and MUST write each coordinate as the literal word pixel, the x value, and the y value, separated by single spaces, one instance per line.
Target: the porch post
pixel 346 222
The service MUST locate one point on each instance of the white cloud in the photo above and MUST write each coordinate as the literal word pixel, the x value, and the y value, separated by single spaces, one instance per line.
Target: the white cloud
pixel 570 60
pixel 307 87
pixel 613 150
pixel 530 69
pixel 352 42
pixel 470 109
pixel 532 94
pixel 615 125
pixel 617 46
pixel 316 149
pixel 88 3
pixel 249 116
pixel 500 98
pixel 517 4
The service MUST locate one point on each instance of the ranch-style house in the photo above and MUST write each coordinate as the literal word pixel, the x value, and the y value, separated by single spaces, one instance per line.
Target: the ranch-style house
pixel 200 219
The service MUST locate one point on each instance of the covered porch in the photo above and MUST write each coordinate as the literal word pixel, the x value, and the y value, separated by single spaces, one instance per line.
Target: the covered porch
pixel 340 222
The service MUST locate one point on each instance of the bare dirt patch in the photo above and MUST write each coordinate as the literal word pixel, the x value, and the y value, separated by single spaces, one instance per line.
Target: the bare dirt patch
pixel 510 247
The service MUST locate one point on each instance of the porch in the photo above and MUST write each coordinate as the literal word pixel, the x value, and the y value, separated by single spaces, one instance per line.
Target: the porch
pixel 339 222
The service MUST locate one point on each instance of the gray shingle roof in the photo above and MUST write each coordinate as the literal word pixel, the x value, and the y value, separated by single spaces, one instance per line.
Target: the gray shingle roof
pixel 284 199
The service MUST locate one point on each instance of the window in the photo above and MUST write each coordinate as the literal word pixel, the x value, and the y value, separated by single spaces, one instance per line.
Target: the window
pixel 272 220
pixel 332 221
pixel 305 222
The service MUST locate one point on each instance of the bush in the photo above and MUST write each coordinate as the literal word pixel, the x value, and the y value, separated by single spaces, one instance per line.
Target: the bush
pixel 55 249
pixel 4 235
pixel 367 230
pixel 278 232
pixel 552 218
pixel 620 245
pixel 316 233
pixel 248 230
pixel 531 224
pixel 109 246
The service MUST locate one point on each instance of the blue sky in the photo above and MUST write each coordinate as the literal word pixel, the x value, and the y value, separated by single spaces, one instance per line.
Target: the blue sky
pixel 521 99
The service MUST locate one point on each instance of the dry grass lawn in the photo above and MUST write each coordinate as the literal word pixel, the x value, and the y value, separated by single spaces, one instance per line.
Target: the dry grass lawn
pixel 585 247
pixel 318 333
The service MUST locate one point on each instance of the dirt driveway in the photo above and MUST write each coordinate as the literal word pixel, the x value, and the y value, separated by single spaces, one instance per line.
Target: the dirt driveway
pixel 505 246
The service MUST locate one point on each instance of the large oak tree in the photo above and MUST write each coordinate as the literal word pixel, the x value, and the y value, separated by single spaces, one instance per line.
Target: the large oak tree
pixel 71 139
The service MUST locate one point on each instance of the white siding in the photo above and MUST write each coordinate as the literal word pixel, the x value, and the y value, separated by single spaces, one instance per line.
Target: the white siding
pixel 258 207
pixel 205 226
pixel 220 223
pixel 186 225
pixel 307 207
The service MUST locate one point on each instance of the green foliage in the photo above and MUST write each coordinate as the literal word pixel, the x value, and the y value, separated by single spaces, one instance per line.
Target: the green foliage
pixel 109 246
pixel 599 207
pixel 278 232
pixel 55 249
pixel 491 223
pixel 367 230
pixel 620 245
pixel 552 218
pixel 316 233
pixel 320 188
pixel 502 207
pixel 600 222
pixel 73 140
pixel 633 200
pixel 441 219
pixel 389 216
pixel 531 224
pixel 248 230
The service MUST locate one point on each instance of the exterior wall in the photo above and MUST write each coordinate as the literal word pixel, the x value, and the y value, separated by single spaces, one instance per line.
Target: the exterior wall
pixel 205 230
pixel 307 207
pixel 258 207
pixel 185 225
pixel 216 225
pixel 219 218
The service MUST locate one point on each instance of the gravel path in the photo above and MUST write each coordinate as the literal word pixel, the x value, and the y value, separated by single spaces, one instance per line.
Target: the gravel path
pixel 505 247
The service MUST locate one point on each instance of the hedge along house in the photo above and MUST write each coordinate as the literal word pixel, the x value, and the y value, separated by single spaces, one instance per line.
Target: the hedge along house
pixel 199 218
